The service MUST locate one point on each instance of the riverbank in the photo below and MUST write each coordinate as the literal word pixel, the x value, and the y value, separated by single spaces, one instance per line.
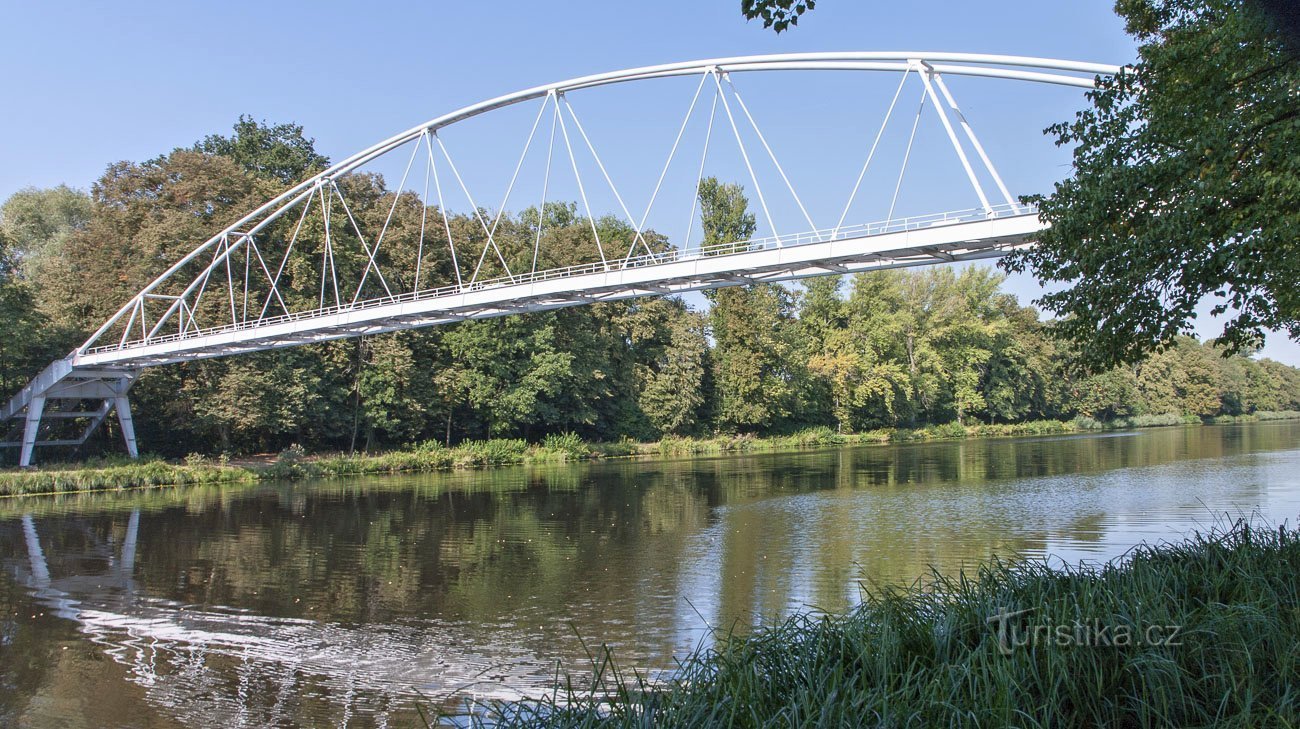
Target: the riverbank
pixel 294 463
pixel 1200 633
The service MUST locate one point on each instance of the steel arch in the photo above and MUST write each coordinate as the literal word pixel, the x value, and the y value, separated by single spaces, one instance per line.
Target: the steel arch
pixel 1067 73
pixel 106 371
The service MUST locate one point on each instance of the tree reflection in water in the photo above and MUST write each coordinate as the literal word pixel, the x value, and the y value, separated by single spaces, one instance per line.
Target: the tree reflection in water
pixel 334 602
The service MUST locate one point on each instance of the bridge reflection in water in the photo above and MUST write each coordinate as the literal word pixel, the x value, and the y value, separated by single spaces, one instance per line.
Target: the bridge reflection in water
pixel 335 602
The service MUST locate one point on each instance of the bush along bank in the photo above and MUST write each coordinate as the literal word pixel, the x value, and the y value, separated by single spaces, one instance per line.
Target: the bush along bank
pixel 124 475
pixel 295 463
pixel 1196 634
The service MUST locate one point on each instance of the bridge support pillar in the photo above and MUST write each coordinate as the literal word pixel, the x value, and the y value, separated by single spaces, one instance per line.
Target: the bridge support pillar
pixel 31 427
pixel 59 394
pixel 123 407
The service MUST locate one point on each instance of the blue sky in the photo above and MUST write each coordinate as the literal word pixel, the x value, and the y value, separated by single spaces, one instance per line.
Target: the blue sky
pixel 91 83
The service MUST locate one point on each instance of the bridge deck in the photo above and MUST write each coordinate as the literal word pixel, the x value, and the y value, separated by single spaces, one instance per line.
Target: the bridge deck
pixel 953 237
pixel 107 373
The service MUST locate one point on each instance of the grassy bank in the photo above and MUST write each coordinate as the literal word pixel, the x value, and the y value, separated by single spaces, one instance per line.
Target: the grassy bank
pixel 1196 634
pixel 294 463
pixel 113 475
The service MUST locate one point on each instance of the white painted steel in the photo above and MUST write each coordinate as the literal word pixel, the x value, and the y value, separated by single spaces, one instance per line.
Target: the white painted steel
pixel 105 371
pixel 968 64
pixel 914 241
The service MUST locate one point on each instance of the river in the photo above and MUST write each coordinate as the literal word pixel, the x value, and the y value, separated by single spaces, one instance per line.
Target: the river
pixel 343 602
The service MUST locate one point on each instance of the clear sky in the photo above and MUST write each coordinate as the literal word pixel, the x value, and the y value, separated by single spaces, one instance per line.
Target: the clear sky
pixel 87 84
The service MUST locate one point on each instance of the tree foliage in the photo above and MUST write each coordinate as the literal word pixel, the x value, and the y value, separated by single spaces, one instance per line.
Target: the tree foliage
pixel 35 226
pixel 776 14
pixel 755 366
pixel 1186 186
pixel 279 151
pixel 883 349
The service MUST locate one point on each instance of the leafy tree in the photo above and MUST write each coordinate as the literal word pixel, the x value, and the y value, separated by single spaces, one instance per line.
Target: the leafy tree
pixel 514 369
pixel 248 403
pixel 821 308
pixel 755 356
pixel 1025 378
pixel 1198 379
pixel 38 221
pixel 1283 391
pixel 147 215
pixel 278 152
pixel 724 212
pixel 754 352
pixel 39 224
pixel 18 323
pixel 856 382
pixel 393 394
pixel 822 313
pixel 776 14
pixel 848 366
pixel 967 333
pixel 1186 185
pixel 1107 395
pixel 671 380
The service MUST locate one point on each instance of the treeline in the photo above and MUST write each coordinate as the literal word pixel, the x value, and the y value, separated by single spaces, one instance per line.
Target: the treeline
pixel 900 348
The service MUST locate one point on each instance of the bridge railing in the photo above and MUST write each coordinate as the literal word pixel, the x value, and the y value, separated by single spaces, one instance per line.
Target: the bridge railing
pixel 825 235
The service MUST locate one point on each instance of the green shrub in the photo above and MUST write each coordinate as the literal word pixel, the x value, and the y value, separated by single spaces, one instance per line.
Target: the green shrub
pixel 1233 419
pixel 946 431
pixel 932 654
pixel 817 436
pixel 493 452
pixel 563 447
pixel 1083 422
pixel 676 445
pixel 1032 427
pixel 134 474
pixel 624 446
pixel 1161 420
pixel 1278 414
pixel 880 435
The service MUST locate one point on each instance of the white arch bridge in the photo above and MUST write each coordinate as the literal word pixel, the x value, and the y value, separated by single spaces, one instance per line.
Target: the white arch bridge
pixel 337 256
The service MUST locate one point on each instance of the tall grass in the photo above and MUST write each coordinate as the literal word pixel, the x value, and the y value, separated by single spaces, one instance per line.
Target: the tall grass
pixel 1278 414
pixel 1083 422
pixel 294 462
pixel 563 448
pixel 927 655
pixel 119 476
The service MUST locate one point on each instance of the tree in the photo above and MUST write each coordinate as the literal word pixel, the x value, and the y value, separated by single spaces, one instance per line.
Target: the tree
pixel 246 402
pixel 514 369
pixel 145 216
pixel 392 394
pixel 39 224
pixel 17 323
pixel 755 350
pixel 1107 395
pixel 1186 185
pixel 671 391
pixel 776 14
pixel 279 152
pixel 1025 376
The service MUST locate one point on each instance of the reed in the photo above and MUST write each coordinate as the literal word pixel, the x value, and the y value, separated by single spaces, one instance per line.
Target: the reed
pixel 295 463
pixel 1225 604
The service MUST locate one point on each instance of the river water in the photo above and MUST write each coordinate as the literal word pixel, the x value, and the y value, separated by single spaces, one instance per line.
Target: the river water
pixel 344 602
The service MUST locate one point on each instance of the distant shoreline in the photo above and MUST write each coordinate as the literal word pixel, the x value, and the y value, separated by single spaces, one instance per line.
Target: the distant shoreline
pixel 295 464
